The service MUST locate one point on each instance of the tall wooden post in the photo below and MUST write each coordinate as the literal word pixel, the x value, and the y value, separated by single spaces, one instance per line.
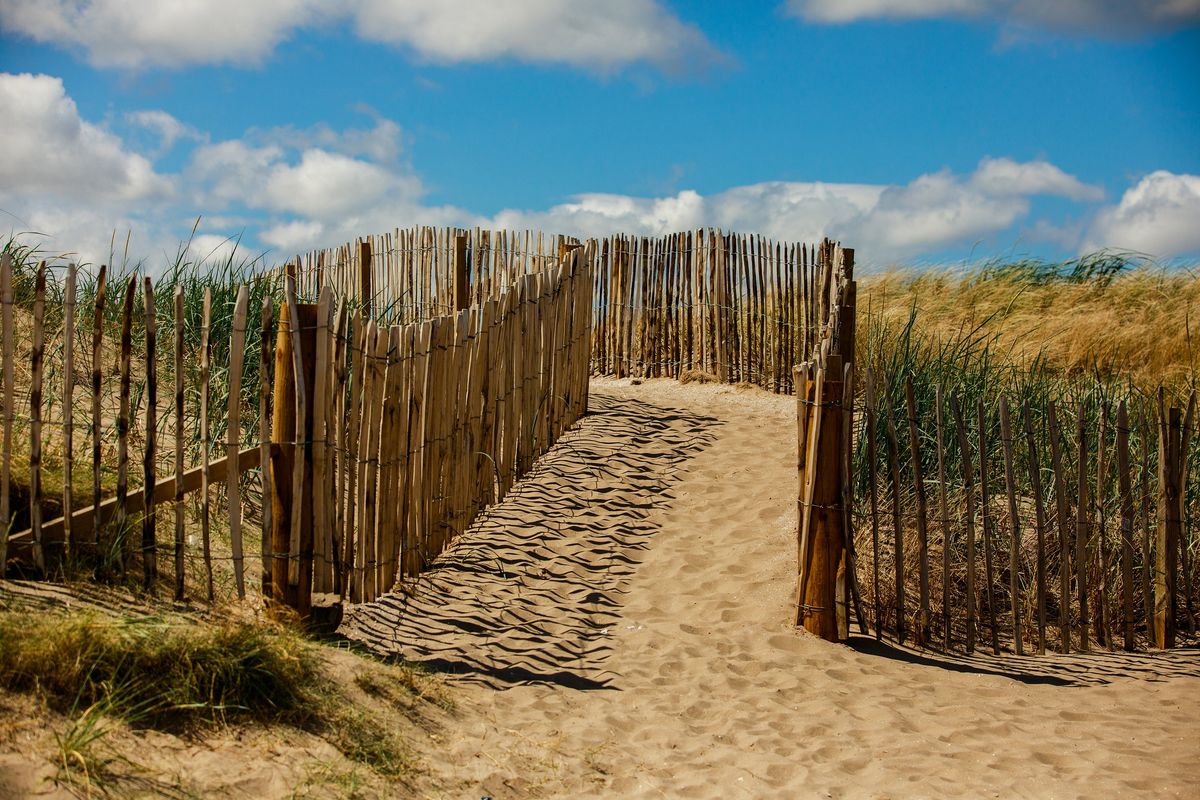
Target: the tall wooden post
pixel 364 277
pixel 287 444
pixel 461 266
pixel 1170 524
pixel 822 522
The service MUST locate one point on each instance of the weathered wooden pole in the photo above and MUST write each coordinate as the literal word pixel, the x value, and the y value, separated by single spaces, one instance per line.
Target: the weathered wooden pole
pixel 461 278
pixel 287 445
pixel 1170 523
pixel 822 522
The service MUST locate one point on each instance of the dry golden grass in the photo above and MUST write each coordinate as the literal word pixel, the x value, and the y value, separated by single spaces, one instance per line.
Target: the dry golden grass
pixel 1136 326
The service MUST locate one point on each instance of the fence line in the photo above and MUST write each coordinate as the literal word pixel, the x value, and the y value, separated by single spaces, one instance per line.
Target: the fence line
pixel 418 427
pixel 1082 560
pixel 421 425
pixel 732 307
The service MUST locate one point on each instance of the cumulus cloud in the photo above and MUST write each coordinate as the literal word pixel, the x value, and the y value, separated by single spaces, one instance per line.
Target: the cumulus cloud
pixel 294 189
pixel 601 36
pixel 1160 215
pixel 886 222
pixel 1106 17
pixel 47 148
pixel 168 129
pixel 137 33
pixel 176 33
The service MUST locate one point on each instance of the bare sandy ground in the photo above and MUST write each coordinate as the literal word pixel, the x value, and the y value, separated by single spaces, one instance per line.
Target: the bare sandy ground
pixel 619 629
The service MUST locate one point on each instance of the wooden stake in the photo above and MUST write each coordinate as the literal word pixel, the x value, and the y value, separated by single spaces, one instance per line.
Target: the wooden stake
pixel 1125 487
pixel 179 425
pixel 6 353
pixel 1039 504
pixel 914 448
pixel 233 435
pixel 872 480
pixel 1082 533
pixel 69 405
pixel 36 356
pixel 985 507
pixel 944 512
pixel 968 471
pixel 1014 562
pixel 206 439
pixel 149 536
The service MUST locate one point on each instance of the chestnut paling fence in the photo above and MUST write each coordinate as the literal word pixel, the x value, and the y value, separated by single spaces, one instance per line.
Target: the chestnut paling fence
pixel 1013 524
pixel 1025 527
pixel 704 303
pixel 412 424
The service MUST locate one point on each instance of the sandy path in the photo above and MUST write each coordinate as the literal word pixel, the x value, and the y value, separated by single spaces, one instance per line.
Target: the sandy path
pixel 667 669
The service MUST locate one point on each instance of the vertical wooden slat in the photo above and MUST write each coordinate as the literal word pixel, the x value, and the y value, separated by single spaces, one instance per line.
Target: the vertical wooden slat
pixel 322 581
pixel 97 372
pixel 914 445
pixel 986 521
pixel 179 428
pixel 1014 523
pixel 265 359
pixel 233 435
pixel 1082 526
pixel 150 454
pixel 206 440
pixel 968 471
pixel 36 357
pixel 874 493
pixel 123 413
pixel 943 511
pixel 1125 488
pixel 1099 533
pixel 6 416
pixel 1039 506
pixel 296 523
pixel 897 515
pixel 1147 515
pixel 70 535
pixel 1061 512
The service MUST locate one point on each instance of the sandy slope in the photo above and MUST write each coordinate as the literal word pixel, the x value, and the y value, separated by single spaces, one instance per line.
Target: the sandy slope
pixel 587 673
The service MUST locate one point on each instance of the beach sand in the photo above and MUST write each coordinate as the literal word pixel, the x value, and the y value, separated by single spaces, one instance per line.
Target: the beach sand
pixel 620 627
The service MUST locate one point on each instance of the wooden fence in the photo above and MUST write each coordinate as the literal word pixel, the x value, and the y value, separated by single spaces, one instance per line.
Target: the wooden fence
pixel 421 424
pixel 1062 528
pixel 730 307
pixel 429 423
pixel 151 435
pixel 415 274
pixel 824 412
pixel 737 308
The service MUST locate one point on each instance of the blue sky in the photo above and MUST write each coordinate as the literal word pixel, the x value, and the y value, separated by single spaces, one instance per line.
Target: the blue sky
pixel 926 130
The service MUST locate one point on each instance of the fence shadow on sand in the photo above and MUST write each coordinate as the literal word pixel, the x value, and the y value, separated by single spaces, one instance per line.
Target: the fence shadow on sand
pixel 1077 669
pixel 530 592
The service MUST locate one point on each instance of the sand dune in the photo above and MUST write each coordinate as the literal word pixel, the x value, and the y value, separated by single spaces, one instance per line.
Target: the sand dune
pixel 619 627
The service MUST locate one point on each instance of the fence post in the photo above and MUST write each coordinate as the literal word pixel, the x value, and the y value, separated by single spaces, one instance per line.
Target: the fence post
pixel 291 439
pixel 461 266
pixel 1170 524
pixel 823 535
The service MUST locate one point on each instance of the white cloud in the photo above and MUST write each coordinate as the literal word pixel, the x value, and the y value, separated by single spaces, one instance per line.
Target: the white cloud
pixel 596 35
pixel 169 129
pixel 138 33
pixel 297 189
pixel 45 147
pixel 1160 215
pixel 601 36
pixel 1108 17
pixel 887 223
pixel 1003 176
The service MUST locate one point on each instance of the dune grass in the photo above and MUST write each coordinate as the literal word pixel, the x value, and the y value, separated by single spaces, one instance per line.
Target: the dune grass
pixel 186 676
